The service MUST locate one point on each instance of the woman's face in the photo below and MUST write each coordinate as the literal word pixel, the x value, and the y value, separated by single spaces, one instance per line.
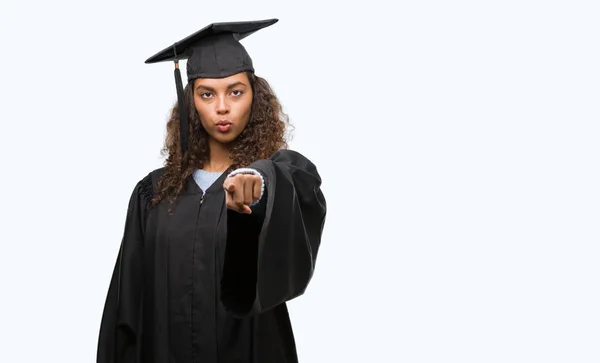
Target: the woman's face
pixel 224 105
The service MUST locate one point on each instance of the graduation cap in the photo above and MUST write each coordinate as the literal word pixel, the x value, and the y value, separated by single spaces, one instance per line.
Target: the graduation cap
pixel 212 52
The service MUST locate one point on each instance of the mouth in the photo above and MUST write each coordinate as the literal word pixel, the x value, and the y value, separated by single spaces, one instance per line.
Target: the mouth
pixel 223 125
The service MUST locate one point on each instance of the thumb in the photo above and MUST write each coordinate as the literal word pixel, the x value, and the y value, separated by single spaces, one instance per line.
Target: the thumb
pixel 229 187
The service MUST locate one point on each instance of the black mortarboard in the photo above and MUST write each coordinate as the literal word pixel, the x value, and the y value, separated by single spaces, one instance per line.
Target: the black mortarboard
pixel 212 52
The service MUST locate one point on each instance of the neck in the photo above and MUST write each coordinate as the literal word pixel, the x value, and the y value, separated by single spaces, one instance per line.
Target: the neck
pixel 219 159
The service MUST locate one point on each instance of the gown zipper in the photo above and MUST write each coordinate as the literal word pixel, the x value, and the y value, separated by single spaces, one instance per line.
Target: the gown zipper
pixel 194 279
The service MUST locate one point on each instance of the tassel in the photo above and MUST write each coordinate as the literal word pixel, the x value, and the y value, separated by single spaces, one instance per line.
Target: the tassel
pixel 183 112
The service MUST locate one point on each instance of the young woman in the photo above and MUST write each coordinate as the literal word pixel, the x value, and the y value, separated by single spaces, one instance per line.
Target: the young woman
pixel 220 238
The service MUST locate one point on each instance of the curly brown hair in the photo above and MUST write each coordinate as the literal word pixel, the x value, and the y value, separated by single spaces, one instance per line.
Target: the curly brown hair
pixel 264 134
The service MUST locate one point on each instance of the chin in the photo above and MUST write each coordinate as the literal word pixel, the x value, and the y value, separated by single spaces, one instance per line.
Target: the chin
pixel 224 138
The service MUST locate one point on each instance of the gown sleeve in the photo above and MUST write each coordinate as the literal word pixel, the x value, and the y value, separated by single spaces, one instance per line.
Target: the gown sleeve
pixel 270 254
pixel 120 326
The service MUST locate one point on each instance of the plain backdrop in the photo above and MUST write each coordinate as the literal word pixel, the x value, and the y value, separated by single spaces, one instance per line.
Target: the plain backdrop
pixel 458 142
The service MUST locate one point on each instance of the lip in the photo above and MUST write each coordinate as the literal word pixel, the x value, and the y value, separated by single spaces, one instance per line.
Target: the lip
pixel 224 125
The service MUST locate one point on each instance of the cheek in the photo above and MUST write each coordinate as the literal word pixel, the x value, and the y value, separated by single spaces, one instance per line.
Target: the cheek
pixel 245 110
pixel 202 111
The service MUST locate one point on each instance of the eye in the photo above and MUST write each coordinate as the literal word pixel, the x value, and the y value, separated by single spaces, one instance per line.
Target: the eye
pixel 205 95
pixel 237 93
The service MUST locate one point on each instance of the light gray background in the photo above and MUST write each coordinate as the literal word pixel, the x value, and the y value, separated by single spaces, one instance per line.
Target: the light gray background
pixel 457 141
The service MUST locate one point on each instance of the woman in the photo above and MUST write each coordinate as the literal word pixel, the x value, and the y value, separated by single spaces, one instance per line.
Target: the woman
pixel 220 238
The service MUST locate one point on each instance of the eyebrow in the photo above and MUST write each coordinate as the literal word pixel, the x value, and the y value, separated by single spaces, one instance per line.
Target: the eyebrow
pixel 238 83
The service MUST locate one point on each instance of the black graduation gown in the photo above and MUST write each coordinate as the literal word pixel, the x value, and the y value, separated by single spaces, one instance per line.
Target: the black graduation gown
pixel 207 284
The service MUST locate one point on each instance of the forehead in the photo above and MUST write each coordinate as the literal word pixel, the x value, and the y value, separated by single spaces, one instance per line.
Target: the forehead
pixel 222 82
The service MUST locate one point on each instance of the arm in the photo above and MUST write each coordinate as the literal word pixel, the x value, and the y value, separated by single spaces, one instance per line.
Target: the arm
pixel 271 254
pixel 120 327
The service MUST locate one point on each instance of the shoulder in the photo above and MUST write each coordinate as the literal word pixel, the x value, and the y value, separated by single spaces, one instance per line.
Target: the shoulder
pixel 293 157
pixel 147 185
pixel 289 153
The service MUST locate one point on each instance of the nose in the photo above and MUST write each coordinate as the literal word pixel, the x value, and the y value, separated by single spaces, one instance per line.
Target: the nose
pixel 222 106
